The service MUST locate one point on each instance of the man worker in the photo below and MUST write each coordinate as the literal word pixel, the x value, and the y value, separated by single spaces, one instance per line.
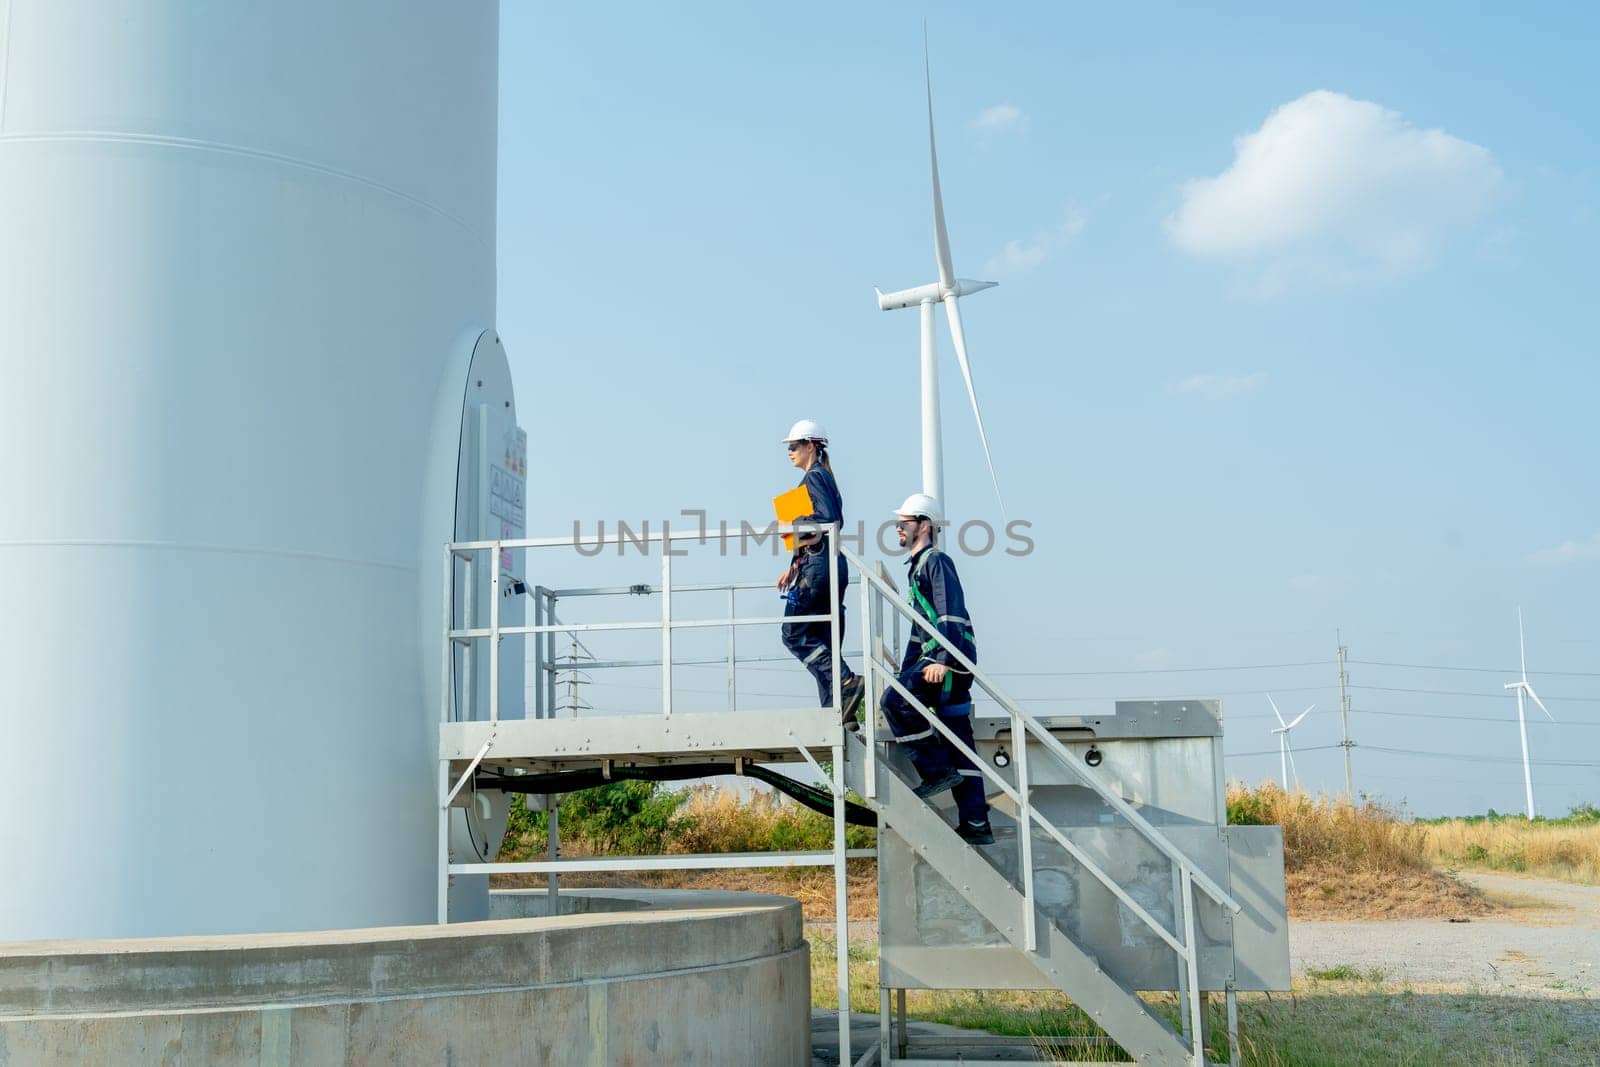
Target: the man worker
pixel 933 677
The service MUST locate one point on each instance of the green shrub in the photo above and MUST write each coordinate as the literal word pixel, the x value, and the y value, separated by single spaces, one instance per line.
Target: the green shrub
pixel 633 818
pixel 1251 807
pixel 645 818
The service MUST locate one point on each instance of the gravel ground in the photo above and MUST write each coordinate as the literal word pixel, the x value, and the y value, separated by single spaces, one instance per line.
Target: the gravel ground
pixel 1550 945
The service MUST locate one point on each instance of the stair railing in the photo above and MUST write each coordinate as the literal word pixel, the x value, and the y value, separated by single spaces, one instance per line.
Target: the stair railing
pixel 1025 726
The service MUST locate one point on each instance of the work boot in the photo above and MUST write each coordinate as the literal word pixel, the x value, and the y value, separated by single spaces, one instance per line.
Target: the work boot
pixel 976 833
pixel 852 693
pixel 934 788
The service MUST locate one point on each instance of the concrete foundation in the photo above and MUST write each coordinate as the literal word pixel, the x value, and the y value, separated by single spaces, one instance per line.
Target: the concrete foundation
pixel 620 977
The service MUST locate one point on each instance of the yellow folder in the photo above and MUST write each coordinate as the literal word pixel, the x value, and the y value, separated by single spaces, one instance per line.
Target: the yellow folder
pixel 790 506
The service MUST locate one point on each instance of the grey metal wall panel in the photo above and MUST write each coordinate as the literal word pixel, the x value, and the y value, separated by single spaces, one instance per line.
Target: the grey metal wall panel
pixel 932 939
pixel 1261 930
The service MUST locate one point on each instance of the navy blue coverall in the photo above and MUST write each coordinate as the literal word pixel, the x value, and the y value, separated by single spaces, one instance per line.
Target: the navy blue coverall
pixel 935 594
pixel 808 595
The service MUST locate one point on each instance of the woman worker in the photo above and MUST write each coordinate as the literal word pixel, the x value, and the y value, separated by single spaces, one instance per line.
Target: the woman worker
pixel 805 583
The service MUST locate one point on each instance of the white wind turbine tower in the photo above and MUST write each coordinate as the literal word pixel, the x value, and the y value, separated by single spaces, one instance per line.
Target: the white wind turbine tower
pixel 947 290
pixel 1522 687
pixel 1285 750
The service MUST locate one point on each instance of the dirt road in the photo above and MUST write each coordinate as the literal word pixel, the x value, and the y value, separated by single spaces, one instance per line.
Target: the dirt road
pixel 1548 944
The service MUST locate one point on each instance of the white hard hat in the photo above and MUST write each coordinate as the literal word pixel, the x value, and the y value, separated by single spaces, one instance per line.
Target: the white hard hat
pixel 921 504
pixel 807 430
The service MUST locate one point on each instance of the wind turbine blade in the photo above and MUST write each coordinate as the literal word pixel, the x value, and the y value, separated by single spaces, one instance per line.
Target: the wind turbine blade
pixel 1298 719
pixel 1522 645
pixel 1539 702
pixel 960 339
pixel 941 239
pixel 1293 770
pixel 1276 712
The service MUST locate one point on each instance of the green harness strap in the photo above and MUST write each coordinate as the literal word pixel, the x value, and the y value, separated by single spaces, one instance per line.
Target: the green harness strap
pixel 917 600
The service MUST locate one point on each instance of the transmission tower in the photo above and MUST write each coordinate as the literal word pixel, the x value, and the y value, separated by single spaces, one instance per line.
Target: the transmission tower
pixel 570 666
pixel 1344 716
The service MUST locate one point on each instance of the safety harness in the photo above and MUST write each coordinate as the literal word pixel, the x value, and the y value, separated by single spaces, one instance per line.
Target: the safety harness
pixel 915 598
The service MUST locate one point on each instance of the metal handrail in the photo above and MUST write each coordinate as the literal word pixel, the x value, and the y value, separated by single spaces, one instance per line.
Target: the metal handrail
pixel 1023 723
pixel 805 529
pixel 651 590
pixel 676 624
pixel 546 626
pixel 1031 724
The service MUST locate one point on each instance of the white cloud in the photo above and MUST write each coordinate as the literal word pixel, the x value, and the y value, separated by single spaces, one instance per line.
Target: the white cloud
pixel 1020 256
pixel 1316 583
pixel 1016 257
pixel 1001 118
pixel 1568 552
pixel 1335 190
pixel 1220 386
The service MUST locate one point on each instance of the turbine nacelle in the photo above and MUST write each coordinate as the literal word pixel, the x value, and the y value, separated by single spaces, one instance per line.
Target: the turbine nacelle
pixel 1525 687
pixel 933 292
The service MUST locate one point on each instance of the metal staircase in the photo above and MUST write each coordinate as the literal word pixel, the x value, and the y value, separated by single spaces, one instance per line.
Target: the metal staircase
pixel 1011 908
pixel 1063 964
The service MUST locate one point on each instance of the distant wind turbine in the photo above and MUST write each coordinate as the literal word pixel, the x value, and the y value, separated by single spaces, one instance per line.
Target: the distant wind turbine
pixel 1524 686
pixel 946 291
pixel 1285 750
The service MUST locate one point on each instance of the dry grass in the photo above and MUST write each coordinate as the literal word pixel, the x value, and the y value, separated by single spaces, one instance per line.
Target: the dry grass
pixel 1322 830
pixel 1353 861
pixel 1565 851
pixel 811 886
pixel 714 820
pixel 1341 860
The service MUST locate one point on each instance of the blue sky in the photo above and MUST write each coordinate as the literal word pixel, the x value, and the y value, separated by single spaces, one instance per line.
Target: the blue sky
pixel 1295 333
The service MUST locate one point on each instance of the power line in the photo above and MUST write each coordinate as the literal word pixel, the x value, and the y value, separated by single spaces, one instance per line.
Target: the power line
pixel 1477 759
pixel 1426 755
pixel 1479 670
pixel 1467 693
pixel 1274 752
pixel 1159 670
pixel 1119 673
pixel 1176 696
pixel 1458 718
pixel 1271 666
pixel 1474 780
pixel 1186 696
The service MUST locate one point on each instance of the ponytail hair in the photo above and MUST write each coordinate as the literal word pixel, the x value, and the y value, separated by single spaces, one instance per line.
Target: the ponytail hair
pixel 822 455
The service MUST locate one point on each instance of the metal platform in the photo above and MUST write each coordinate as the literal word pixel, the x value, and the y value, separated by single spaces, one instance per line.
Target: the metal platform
pixel 531 746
